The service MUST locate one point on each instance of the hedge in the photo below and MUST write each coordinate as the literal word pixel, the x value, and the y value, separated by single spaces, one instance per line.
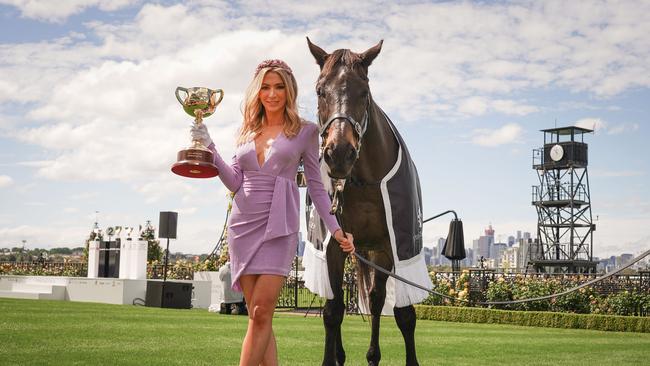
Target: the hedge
pixel 534 318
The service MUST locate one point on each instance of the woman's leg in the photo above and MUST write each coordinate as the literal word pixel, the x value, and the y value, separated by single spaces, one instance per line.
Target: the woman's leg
pixel 261 293
pixel 271 354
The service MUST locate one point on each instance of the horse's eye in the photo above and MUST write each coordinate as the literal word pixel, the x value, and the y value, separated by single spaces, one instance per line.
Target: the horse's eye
pixel 319 91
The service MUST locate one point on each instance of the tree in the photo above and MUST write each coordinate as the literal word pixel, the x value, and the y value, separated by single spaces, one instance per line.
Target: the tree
pixel 91 237
pixel 154 252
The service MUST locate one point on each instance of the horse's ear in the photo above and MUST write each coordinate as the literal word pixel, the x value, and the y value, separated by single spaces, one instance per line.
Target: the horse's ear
pixel 319 54
pixel 371 53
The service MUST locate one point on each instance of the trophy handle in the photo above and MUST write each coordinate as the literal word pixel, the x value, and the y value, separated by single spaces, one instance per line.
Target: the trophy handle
pixel 178 96
pixel 220 91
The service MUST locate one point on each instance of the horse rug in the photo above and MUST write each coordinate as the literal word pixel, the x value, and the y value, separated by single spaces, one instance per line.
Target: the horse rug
pixel 400 191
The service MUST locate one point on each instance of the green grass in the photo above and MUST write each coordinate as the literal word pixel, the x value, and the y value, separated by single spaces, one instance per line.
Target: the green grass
pixel 66 333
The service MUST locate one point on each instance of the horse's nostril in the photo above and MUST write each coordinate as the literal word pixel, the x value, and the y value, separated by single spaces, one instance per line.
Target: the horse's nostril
pixel 329 153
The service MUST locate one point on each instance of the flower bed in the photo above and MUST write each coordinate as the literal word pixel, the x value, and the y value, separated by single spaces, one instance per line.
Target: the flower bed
pixel 583 301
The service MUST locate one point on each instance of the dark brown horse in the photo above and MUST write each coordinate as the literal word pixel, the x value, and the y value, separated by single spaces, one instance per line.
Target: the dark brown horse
pixel 360 149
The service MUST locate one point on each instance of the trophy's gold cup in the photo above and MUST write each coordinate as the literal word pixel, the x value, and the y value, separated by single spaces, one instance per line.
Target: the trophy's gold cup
pixel 197 161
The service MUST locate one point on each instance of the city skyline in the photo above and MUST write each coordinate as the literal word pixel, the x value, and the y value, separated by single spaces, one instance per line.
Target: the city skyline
pixel 89 122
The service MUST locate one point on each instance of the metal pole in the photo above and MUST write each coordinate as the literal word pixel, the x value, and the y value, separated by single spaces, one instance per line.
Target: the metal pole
pixel 166 259
pixel 295 279
pixel 162 292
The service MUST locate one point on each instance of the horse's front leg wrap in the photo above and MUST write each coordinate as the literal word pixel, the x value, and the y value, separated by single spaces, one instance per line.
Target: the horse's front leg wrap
pixel 332 318
pixel 405 319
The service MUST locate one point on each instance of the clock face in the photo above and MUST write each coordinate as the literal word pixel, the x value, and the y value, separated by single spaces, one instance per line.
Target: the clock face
pixel 557 152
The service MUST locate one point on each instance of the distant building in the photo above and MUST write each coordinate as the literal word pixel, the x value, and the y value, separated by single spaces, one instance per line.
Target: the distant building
pixel 625 259
pixel 482 247
pixel 510 259
pixel 428 253
pixel 469 259
pixel 523 254
pixel 605 265
pixel 443 260
pixel 301 245
pixel 497 252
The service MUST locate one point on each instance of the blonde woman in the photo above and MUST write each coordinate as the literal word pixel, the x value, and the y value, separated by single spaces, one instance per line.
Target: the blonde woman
pixel 264 223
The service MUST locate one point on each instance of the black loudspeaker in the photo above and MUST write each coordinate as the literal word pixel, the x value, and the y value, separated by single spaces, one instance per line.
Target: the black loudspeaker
pixel 109 259
pixel 167 224
pixel 177 295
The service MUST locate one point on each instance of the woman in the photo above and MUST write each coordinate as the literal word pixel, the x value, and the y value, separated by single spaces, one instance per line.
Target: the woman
pixel 264 223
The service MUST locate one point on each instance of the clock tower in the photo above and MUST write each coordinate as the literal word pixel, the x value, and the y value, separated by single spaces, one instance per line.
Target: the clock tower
pixel 563 203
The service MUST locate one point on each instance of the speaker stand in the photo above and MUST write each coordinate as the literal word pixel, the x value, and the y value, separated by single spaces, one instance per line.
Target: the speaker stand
pixel 162 295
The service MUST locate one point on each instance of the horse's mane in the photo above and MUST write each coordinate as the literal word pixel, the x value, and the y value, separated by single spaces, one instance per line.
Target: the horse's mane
pixel 342 57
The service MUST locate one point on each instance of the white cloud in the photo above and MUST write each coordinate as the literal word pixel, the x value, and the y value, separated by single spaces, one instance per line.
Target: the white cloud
pixel 507 134
pixel 5 181
pixel 473 106
pixel 598 125
pixel 513 108
pixel 43 236
pixel 98 103
pixel 58 11
pixel 595 124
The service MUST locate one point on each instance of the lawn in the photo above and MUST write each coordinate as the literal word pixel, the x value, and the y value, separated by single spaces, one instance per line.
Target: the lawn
pixel 34 332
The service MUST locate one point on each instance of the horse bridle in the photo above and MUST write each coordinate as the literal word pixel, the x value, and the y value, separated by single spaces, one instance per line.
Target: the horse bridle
pixel 360 128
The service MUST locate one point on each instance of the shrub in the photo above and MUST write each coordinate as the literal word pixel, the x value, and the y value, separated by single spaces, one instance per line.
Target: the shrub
pixel 534 318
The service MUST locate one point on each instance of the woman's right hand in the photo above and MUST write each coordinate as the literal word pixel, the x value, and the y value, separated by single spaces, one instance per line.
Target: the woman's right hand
pixel 200 133
pixel 346 241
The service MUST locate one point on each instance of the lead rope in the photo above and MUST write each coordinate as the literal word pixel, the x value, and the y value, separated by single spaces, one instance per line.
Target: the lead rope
pixel 588 283
pixel 408 282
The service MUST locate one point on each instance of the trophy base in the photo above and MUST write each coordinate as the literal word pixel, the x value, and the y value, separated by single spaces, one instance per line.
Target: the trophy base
pixel 195 163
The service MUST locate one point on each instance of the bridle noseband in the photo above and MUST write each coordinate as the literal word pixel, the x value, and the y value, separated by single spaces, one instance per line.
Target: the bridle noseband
pixel 360 128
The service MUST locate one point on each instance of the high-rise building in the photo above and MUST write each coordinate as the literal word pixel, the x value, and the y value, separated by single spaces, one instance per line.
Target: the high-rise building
pixel 497 252
pixel 489 231
pixel 428 254
pixel 510 259
pixel 442 260
pixel 301 245
pixel 624 259
pixel 483 247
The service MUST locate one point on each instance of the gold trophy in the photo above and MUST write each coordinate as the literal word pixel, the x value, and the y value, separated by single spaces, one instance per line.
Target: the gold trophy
pixel 197 160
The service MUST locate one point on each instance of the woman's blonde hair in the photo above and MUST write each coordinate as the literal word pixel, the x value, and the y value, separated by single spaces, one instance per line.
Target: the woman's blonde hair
pixel 254 110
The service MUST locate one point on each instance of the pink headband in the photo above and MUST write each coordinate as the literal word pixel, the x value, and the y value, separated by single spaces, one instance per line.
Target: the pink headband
pixel 275 63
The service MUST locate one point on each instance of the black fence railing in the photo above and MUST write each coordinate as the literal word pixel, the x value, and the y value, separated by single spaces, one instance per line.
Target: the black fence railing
pixel 481 278
pixel 295 295
pixel 173 272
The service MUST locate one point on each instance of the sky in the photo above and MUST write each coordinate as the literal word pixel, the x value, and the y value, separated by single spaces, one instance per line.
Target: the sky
pixel 89 125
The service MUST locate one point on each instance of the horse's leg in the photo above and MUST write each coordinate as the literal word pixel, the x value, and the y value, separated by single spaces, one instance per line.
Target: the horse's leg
pixel 377 297
pixel 405 318
pixel 334 309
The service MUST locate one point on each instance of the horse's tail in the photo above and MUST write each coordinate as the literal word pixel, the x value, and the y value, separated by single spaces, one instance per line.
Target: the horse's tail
pixel 364 282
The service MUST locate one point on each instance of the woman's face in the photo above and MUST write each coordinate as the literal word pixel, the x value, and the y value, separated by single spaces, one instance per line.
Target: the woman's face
pixel 273 93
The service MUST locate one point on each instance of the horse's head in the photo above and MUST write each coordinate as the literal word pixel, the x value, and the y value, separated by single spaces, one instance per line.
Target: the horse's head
pixel 343 102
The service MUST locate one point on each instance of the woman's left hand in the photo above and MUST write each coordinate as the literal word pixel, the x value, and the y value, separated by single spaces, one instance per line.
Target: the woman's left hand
pixel 346 241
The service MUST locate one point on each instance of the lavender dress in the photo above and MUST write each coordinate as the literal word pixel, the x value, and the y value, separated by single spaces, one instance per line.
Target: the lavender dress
pixel 264 222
